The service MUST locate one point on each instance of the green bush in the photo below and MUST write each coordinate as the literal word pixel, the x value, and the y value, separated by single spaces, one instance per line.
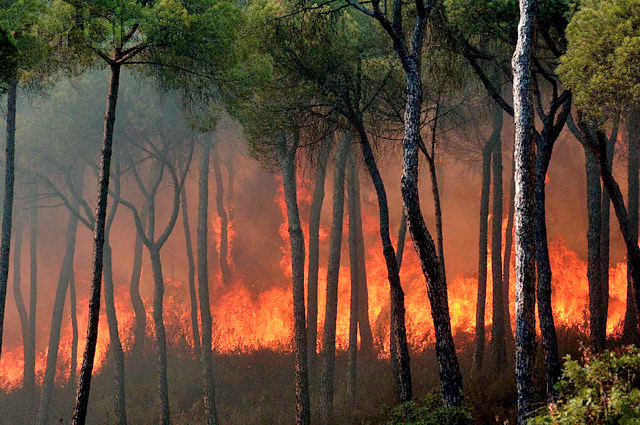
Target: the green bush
pixel 429 410
pixel 605 390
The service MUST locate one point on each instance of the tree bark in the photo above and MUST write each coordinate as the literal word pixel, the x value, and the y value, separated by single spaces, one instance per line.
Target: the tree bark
pixel 193 297
pixel 84 384
pixel 314 251
pixel 393 345
pixel 7 209
pixel 287 160
pixel 604 248
pixel 33 282
pixel 498 326
pixel 506 266
pixel 524 214
pixel 333 271
pixel 134 292
pixel 353 268
pixel 73 363
pixel 224 221
pixel 478 355
pixel 208 384
pixel 28 371
pixel 630 330
pixel 66 273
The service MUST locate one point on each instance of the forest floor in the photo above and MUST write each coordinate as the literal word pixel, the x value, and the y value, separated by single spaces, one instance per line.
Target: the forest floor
pixel 258 388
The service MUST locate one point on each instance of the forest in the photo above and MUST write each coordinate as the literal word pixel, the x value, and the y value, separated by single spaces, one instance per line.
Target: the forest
pixel 238 212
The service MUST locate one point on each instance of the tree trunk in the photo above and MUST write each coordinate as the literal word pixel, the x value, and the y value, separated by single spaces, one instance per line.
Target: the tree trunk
pixel 134 292
pixel 333 271
pixel 506 266
pixel 314 251
pixel 478 355
pixel 28 371
pixel 393 345
pixel 208 384
pixel 30 361
pixel 66 273
pixel 524 151
pixel 115 345
pixel 435 190
pixel 73 363
pixel 84 384
pixel 193 297
pixel 401 369
pixel 287 160
pixel 498 326
pixel 630 331
pixel 224 221
pixel 364 325
pixel 7 209
pixel 450 375
pixel 353 268
pixel 545 309
pixel 604 248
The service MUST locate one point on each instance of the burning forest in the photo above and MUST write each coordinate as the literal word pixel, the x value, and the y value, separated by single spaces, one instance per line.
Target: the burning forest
pixel 319 213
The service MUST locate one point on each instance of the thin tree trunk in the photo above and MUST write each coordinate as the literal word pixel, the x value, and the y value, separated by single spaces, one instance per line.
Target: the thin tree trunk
pixel 435 190
pixel 498 326
pixel 506 266
pixel 364 325
pixel 7 209
pixel 353 268
pixel 30 361
pixel 314 251
pixel 524 151
pixel 66 272
pixel 630 330
pixel 28 372
pixel 450 375
pixel 287 160
pixel 402 234
pixel 193 297
pixel 73 363
pixel 604 248
pixel 333 271
pixel 478 355
pixel 84 384
pixel 401 369
pixel 393 345
pixel 224 221
pixel 134 292
pixel 208 384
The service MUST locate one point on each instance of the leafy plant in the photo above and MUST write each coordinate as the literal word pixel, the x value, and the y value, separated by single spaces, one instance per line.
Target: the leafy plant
pixel 429 410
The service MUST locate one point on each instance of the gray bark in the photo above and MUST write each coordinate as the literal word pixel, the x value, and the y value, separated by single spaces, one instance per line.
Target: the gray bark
pixel 224 220
pixel 134 293
pixel 193 297
pixel 393 345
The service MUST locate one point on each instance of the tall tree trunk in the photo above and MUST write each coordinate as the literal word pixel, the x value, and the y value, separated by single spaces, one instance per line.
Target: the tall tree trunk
pixel 314 251
pixel 208 384
pixel 287 160
pixel 66 273
pixel 115 345
pixel 450 375
pixel 481 301
pixel 134 292
pixel 30 361
pixel 193 297
pixel 73 363
pixel 498 326
pixel 84 384
pixel 604 248
pixel 594 252
pixel 630 330
pixel 506 265
pixel 401 369
pixel 364 325
pixel 353 268
pixel 7 209
pixel 524 151
pixel 224 221
pixel 393 345
pixel 161 337
pixel 28 371
pixel 435 190
pixel 333 271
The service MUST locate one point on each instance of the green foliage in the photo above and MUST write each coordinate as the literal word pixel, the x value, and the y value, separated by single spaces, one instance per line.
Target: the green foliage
pixel 602 63
pixel 605 390
pixel 429 410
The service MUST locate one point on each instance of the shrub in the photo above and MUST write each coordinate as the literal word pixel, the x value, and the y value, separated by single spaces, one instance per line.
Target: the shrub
pixel 604 390
pixel 429 410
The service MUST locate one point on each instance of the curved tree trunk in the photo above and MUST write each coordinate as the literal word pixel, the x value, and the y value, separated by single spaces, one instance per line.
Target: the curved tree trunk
pixel 353 268
pixel 66 273
pixel 84 384
pixel 7 209
pixel 524 155
pixel 630 331
pixel 481 301
pixel 208 384
pixel 333 271
pixel 224 221
pixel 287 160
pixel 498 326
pixel 193 297
pixel 134 292
pixel 314 251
